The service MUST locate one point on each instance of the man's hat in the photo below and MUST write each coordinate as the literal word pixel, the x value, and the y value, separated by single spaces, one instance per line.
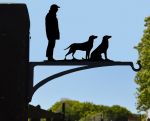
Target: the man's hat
pixel 54 6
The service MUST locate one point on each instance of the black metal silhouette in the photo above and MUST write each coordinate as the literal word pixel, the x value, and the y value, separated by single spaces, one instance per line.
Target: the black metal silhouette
pixel 96 55
pixel 52 30
pixel 16 85
pixel 86 46
pixel 85 65
pixel 14 52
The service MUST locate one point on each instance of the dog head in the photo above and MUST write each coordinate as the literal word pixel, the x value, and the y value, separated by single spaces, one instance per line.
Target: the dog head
pixel 106 37
pixel 92 37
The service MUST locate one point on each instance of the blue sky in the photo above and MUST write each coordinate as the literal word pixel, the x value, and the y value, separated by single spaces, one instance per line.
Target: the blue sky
pixel 78 19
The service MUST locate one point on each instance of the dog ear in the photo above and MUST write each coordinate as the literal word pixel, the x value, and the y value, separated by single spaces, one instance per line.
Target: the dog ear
pixel 90 36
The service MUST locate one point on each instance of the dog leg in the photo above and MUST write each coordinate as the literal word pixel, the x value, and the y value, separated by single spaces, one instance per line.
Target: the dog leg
pixel 105 53
pixel 73 54
pixel 87 55
pixel 67 54
pixel 65 57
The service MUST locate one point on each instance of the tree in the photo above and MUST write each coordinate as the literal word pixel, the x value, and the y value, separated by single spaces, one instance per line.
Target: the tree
pixel 114 113
pixel 73 109
pixel 86 111
pixel 119 113
pixel 143 76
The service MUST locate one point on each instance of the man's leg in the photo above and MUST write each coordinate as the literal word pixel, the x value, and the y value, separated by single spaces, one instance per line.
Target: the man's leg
pixel 50 49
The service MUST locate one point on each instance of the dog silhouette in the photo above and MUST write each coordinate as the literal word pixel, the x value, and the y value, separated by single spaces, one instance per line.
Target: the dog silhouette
pixel 96 55
pixel 86 46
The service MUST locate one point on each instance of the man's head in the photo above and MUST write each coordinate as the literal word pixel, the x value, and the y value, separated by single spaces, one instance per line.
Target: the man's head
pixel 54 7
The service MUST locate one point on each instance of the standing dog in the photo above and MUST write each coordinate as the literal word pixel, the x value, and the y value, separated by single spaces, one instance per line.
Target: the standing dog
pixel 96 55
pixel 86 46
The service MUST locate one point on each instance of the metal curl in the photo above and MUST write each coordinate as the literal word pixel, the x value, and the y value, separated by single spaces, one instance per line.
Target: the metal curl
pixel 136 69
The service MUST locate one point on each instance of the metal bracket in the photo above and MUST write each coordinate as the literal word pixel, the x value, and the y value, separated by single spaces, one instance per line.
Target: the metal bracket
pixel 83 66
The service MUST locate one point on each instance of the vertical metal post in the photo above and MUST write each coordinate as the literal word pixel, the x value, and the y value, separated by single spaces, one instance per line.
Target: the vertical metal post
pixel 14 62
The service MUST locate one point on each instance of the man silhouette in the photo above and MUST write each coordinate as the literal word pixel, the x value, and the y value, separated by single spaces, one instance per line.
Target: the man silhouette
pixel 52 30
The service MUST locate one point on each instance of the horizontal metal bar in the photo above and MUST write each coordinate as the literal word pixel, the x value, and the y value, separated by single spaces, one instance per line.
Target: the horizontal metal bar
pixel 78 63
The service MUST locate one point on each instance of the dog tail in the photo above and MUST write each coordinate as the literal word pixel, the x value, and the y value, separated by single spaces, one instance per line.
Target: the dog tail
pixel 67 47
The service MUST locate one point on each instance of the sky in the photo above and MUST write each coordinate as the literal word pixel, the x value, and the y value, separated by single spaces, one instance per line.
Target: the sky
pixel 78 19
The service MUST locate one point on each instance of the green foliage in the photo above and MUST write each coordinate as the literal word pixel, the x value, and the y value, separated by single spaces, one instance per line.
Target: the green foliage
pixel 143 77
pixel 72 108
pixel 94 117
pixel 77 111
pixel 115 113
pixel 119 113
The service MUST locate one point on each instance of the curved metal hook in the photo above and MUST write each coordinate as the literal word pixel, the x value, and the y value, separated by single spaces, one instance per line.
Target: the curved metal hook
pixel 138 69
